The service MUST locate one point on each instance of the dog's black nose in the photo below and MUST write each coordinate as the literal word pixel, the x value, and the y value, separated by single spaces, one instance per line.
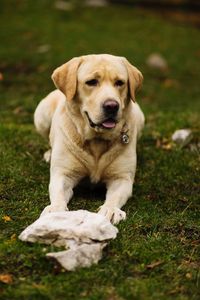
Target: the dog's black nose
pixel 111 107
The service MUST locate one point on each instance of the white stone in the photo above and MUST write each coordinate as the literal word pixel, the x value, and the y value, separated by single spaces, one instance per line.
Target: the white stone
pixel 182 137
pixel 43 48
pixel 82 233
pixel 63 5
pixel 157 62
pixel 96 3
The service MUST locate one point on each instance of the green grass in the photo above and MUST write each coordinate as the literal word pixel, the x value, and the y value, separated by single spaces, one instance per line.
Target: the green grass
pixel 163 214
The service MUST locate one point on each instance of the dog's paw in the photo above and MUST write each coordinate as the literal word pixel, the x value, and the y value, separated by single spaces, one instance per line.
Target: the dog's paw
pixel 113 214
pixel 47 156
pixel 52 208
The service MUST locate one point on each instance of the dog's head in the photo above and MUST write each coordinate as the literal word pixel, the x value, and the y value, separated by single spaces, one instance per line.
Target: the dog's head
pixel 102 86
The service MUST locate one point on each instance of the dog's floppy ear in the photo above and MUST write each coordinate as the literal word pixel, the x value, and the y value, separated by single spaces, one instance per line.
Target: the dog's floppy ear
pixel 135 78
pixel 65 77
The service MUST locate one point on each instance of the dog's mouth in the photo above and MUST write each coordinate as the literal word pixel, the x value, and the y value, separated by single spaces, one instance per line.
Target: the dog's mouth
pixel 108 123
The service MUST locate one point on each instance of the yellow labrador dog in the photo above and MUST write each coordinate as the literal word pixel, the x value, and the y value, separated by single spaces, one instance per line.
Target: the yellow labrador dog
pixel 93 124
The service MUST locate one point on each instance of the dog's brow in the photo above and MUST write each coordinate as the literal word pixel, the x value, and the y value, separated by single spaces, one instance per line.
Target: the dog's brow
pixel 117 77
pixel 92 75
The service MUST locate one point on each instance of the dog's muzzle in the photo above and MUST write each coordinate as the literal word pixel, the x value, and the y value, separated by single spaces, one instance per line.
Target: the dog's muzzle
pixel 110 109
pixel 108 123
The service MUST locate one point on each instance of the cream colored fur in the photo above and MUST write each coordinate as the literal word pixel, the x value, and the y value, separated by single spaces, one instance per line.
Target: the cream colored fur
pixel 79 150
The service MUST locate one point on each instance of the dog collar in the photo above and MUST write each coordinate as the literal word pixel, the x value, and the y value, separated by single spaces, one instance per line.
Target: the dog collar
pixel 124 134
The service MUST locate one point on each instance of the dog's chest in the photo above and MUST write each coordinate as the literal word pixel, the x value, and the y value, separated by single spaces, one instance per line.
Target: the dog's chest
pixel 97 148
pixel 98 151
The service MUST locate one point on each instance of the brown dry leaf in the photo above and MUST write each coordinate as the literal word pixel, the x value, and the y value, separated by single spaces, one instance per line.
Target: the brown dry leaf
pixel 167 146
pixel 195 242
pixel 158 143
pixel 191 264
pixel 6 278
pixel 178 289
pixel 154 264
pixel 188 276
pixel 13 237
pixel 19 110
pixel 170 83
pixel 6 218
pixel 1 76
pixel 164 144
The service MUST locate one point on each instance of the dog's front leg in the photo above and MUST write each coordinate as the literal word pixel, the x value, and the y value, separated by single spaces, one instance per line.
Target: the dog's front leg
pixel 60 192
pixel 118 192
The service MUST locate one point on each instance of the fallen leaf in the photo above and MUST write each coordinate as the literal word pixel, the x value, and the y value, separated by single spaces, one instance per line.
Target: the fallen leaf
pixel 158 143
pixel 154 264
pixel 164 143
pixel 13 237
pixel 6 218
pixel 188 276
pixel 22 278
pixel 170 83
pixel 191 264
pixel 1 76
pixel 167 146
pixel 19 110
pixel 195 242
pixel 6 278
pixel 178 289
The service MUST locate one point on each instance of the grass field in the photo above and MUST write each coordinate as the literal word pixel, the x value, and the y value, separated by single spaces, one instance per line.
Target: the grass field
pixel 156 254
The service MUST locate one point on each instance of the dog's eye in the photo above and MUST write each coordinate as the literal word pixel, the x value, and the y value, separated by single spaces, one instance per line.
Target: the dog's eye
pixel 119 82
pixel 92 82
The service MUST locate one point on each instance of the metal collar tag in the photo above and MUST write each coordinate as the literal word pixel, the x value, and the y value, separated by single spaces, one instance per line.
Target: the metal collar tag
pixel 124 138
pixel 124 134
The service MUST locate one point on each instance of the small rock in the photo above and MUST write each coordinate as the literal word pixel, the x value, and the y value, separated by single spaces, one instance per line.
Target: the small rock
pixel 96 3
pixel 157 62
pixel 182 137
pixel 63 5
pixel 43 48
